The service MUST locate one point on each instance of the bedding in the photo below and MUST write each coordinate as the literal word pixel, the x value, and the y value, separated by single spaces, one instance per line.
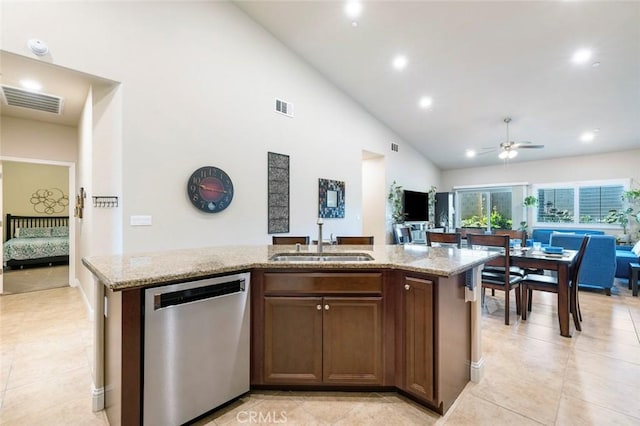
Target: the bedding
pixel 36 240
pixel 35 248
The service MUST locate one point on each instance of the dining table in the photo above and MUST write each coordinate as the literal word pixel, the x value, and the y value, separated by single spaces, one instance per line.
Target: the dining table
pixel 562 263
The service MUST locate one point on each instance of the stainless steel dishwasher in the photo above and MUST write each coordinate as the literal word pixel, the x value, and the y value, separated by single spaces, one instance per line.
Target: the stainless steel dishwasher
pixel 196 347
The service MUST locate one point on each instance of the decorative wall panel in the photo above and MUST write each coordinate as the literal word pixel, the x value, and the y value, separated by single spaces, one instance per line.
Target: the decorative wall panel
pixel 278 193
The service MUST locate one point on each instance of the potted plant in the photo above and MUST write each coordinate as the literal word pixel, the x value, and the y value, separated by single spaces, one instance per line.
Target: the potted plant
pixel 621 217
pixel 632 198
pixel 529 202
pixel 431 200
pixel 395 199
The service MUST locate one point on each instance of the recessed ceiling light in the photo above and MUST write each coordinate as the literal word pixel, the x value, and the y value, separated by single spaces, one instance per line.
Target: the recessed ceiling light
pixel 581 56
pixel 353 9
pixel 587 136
pixel 425 102
pixel 595 65
pixel 31 85
pixel 470 153
pixel 400 62
pixel 354 24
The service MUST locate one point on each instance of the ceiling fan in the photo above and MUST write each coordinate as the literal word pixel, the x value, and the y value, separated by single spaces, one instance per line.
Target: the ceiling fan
pixel 508 149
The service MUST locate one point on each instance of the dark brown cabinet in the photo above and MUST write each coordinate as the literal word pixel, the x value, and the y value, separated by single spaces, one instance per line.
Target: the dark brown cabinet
pixel 433 350
pixel 418 337
pixel 352 340
pixel 319 329
pixel 293 340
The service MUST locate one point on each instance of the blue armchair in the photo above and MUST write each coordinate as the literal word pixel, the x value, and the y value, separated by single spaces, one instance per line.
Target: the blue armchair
pixel 599 262
pixel 624 256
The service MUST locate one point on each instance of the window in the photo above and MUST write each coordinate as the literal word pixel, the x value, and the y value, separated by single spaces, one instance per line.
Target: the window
pixel 579 203
pixel 489 208
pixel 556 205
pixel 595 202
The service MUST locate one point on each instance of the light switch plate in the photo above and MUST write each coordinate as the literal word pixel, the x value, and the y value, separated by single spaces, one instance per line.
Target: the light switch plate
pixel 140 220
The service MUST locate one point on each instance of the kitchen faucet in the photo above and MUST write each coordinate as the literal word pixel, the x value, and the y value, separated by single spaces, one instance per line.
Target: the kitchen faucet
pixel 320 222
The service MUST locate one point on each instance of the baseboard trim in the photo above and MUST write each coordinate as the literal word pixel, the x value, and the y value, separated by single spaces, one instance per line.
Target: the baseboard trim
pixel 85 299
pixel 97 399
pixel 477 370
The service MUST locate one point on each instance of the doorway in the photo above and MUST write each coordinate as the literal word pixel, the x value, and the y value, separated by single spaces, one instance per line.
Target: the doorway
pixel 40 188
pixel 374 196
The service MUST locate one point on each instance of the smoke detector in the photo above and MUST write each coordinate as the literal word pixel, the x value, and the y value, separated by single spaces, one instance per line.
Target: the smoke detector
pixel 38 47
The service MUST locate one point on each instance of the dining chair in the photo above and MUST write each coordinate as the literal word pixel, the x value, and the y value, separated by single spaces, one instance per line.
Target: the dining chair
pixel 496 279
pixel 275 240
pixel 359 240
pixel 446 238
pixel 403 234
pixel 513 234
pixel 550 284
pixel 514 270
pixel 522 236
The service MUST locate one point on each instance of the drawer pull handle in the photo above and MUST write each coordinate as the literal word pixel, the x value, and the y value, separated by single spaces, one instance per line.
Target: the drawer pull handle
pixel 407 287
pixel 326 307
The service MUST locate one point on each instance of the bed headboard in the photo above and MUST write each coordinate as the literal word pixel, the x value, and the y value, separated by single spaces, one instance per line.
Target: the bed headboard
pixel 14 222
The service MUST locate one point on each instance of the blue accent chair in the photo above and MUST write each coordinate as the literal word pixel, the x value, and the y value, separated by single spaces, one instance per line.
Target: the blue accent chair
pixel 624 256
pixel 599 262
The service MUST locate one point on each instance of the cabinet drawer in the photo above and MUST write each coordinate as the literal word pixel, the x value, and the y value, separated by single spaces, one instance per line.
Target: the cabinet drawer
pixel 323 283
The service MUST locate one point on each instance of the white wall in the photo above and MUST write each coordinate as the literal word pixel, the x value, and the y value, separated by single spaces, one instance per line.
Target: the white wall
pixel 615 165
pixel 198 87
pixel 37 140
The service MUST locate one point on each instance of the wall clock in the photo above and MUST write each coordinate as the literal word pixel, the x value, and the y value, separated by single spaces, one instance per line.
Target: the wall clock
pixel 210 189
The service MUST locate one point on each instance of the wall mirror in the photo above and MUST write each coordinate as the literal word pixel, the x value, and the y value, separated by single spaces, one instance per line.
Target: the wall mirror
pixel 330 198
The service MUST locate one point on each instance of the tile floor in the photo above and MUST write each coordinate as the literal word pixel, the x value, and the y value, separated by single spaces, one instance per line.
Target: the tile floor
pixel 533 375
pixel 35 279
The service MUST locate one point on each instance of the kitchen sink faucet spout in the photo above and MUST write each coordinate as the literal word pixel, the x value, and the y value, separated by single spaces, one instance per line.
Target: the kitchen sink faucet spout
pixel 320 222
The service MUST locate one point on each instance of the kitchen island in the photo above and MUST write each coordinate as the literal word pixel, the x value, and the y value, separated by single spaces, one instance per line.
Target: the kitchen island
pixel 399 321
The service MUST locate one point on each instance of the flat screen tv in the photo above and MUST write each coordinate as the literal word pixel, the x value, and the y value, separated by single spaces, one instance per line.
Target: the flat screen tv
pixel 416 206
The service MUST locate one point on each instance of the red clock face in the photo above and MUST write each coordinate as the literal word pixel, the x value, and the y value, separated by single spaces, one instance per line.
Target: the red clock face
pixel 210 189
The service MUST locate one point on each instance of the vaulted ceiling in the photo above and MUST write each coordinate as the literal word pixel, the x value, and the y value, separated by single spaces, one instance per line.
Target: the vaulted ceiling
pixel 479 62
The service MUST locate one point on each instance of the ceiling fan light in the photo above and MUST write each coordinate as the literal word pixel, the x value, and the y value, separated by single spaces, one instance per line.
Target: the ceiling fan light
pixel 512 154
pixel 503 155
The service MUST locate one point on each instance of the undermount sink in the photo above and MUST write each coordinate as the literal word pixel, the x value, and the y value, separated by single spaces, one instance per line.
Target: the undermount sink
pixel 332 257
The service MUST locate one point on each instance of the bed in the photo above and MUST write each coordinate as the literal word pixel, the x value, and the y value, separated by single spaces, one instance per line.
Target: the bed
pixel 36 240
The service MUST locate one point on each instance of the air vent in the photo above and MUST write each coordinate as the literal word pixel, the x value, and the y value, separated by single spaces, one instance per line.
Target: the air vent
pixel 21 98
pixel 394 147
pixel 284 107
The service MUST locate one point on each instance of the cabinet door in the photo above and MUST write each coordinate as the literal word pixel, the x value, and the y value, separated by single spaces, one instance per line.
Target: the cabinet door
pixel 352 339
pixel 418 334
pixel 293 340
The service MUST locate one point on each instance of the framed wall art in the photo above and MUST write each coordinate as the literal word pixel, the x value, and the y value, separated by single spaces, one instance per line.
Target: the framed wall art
pixel 278 193
pixel 330 198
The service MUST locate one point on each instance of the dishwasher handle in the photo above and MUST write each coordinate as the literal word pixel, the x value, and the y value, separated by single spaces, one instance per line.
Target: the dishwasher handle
pixel 180 297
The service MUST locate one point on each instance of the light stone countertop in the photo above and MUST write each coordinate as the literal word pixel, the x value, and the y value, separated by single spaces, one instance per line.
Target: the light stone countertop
pixel 127 271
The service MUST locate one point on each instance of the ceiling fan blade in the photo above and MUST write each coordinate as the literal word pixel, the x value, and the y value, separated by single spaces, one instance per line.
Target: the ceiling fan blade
pixel 528 146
